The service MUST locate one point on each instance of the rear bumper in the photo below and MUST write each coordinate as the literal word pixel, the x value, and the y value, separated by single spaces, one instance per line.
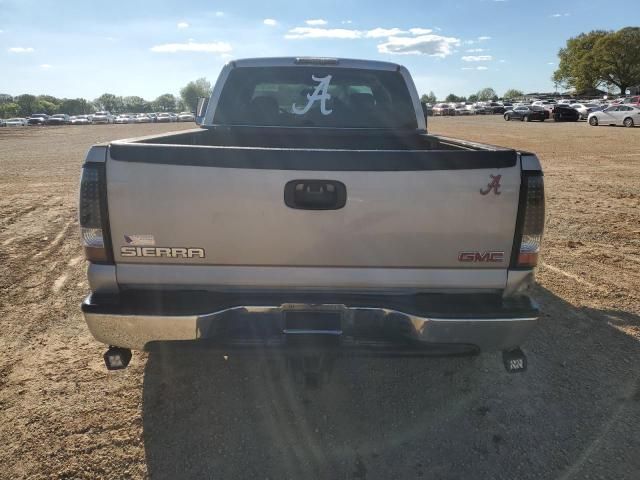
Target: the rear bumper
pixel 137 319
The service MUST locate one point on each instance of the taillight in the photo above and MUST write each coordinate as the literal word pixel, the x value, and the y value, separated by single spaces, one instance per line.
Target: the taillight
pixel 94 219
pixel 530 223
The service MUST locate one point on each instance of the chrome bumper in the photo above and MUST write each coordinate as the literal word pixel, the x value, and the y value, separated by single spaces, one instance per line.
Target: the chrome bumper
pixel 359 326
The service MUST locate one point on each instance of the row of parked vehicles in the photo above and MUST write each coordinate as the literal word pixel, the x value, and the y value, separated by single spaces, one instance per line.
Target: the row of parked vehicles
pixel 624 111
pixel 98 118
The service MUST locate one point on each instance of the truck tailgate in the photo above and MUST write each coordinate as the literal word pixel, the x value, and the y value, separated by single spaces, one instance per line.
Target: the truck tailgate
pixel 414 210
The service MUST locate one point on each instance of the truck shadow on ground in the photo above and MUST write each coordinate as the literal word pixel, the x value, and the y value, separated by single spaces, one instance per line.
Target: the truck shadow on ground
pixel 575 410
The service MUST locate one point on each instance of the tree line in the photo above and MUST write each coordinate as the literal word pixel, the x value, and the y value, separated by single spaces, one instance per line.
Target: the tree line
pixel 483 95
pixel 26 104
pixel 601 59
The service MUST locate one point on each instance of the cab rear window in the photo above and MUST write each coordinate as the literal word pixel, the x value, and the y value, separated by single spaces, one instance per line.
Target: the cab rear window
pixel 315 97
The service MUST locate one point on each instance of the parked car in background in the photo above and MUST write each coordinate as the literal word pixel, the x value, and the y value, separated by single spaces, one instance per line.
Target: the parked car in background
pixel 564 113
pixel 525 113
pixel 38 119
pixel 584 109
pixel 565 101
pixel 123 118
pixel 153 117
pixel 496 108
pixel 59 119
pixel 80 120
pixel 164 117
pixel 102 117
pixel 627 115
pixel 481 109
pixel 442 109
pixel 632 100
pixel 141 118
pixel 15 122
pixel 3 122
pixel 427 109
pixel 174 117
pixel 461 109
pixel 186 117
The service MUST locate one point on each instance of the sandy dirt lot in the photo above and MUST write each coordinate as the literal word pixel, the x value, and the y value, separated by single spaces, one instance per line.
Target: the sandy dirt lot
pixel 188 413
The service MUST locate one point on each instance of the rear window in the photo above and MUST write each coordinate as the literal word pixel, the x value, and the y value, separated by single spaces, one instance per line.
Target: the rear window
pixel 315 97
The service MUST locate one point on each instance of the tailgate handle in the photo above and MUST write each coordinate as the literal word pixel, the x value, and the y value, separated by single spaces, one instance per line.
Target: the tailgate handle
pixel 315 194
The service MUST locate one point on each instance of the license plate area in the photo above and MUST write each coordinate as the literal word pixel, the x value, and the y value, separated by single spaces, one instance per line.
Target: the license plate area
pixel 312 321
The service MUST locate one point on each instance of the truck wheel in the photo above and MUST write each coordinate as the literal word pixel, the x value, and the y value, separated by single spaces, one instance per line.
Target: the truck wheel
pixel 507 117
pixel 556 118
pixel 628 122
pixel 542 119
pixel 527 118
pixel 593 121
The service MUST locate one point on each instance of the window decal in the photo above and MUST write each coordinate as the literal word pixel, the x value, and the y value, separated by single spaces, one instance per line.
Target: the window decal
pixel 319 94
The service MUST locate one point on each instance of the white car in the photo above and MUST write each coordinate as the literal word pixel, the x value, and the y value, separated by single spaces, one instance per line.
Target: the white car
pixel 626 115
pixel 123 119
pixel 80 120
pixel 16 122
pixel 141 118
pixel 102 117
pixel 186 117
pixel 584 109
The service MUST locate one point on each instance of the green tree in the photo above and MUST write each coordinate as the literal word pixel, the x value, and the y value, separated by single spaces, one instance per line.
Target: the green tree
pixel 8 110
pixel 473 98
pixel 192 91
pixel 486 94
pixel 600 58
pixel 617 58
pixel 431 98
pixel 577 67
pixel 110 102
pixel 136 104
pixel 75 106
pixel 454 98
pixel 5 98
pixel 165 103
pixel 28 104
pixel 513 93
pixel 45 106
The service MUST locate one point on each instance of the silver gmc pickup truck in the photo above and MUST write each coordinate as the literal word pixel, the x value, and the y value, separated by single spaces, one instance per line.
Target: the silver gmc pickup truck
pixel 311 207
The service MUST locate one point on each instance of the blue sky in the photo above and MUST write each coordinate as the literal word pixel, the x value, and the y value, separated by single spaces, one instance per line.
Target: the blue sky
pixel 72 48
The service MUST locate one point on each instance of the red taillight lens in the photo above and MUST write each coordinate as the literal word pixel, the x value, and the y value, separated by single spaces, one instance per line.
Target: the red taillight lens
pixel 94 224
pixel 530 223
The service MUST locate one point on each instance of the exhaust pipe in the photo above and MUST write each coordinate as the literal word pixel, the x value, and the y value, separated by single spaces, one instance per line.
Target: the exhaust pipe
pixel 117 358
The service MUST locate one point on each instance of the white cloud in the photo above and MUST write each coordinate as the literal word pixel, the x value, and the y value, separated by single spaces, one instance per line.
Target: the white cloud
pixel 482 68
pixel 214 47
pixel 558 15
pixel 384 32
pixel 420 31
pixel 475 50
pixel 270 22
pixel 1 31
pixel 45 66
pixel 316 21
pixel 502 60
pixel 469 42
pixel 20 50
pixel 183 25
pixel 551 63
pixel 483 38
pixel 310 32
pixel 432 45
pixel 346 22
pixel 219 14
pixel 477 58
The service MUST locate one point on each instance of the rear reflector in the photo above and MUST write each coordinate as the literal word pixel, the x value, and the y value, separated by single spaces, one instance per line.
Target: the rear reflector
pixel 94 224
pixel 530 224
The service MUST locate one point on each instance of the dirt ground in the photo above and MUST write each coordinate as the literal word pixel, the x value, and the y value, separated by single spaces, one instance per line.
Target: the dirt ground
pixel 189 413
